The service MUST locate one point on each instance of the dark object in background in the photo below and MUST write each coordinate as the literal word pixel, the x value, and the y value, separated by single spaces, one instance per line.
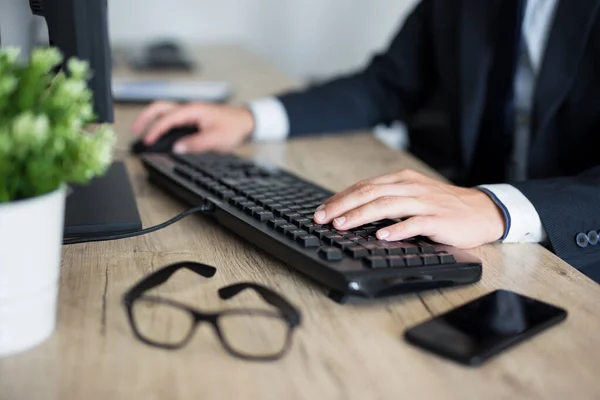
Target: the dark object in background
pixel 165 143
pixel 80 29
pixel 431 139
pixel 165 55
pixel 242 331
pixel 484 327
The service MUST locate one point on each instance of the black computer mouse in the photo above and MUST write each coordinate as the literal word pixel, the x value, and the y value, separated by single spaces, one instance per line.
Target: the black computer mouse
pixel 165 143
pixel 163 55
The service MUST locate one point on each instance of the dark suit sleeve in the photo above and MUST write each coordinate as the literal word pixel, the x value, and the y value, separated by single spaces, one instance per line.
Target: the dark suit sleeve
pixel 389 89
pixel 568 207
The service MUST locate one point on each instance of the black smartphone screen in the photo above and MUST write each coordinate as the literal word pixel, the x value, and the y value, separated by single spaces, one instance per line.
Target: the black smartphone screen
pixel 476 331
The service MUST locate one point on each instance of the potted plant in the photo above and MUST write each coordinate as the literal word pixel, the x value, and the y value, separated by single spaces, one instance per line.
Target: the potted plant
pixel 42 149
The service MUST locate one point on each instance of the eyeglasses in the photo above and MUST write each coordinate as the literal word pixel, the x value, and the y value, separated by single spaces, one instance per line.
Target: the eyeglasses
pixel 250 334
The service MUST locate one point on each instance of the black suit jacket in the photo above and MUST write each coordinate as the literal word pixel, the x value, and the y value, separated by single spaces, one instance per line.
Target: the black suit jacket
pixel 444 46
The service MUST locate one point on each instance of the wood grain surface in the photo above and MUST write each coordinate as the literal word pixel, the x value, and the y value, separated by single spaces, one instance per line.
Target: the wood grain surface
pixel 354 351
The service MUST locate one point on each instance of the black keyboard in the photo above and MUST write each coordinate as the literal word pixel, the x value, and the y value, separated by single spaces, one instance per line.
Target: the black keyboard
pixel 273 209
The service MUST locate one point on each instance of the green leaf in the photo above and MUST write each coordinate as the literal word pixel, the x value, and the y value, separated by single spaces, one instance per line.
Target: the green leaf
pixel 41 118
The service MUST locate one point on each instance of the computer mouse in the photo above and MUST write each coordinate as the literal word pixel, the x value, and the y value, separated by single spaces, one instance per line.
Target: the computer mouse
pixel 163 55
pixel 165 143
pixel 163 50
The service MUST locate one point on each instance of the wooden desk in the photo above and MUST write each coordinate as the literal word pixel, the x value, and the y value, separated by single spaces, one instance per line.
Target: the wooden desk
pixel 353 351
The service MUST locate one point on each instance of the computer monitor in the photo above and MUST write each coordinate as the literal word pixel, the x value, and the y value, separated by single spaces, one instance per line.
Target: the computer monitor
pixel 79 28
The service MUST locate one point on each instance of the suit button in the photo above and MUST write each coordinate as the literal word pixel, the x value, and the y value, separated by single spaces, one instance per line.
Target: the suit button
pixel 582 240
pixel 592 237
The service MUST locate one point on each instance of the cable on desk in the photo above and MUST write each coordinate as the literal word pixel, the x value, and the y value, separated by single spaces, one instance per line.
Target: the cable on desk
pixel 205 208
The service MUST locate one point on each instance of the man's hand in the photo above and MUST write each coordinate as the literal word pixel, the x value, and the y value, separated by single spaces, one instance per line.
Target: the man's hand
pixel 447 214
pixel 220 128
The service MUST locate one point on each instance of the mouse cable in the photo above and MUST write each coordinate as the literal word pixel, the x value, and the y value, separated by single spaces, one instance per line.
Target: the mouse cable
pixel 205 209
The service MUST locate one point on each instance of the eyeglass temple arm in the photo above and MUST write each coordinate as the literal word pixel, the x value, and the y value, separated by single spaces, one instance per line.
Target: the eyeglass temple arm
pixel 268 295
pixel 162 275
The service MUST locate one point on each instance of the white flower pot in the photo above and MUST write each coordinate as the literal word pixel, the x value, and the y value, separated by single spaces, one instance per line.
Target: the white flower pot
pixel 31 234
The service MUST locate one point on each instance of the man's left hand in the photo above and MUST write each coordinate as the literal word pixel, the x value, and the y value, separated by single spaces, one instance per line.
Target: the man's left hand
pixel 447 214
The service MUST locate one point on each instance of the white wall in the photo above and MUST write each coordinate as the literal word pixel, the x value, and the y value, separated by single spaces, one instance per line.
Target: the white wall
pixel 16 25
pixel 305 38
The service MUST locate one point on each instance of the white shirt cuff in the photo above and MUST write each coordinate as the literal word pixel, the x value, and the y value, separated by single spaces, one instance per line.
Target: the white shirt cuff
pixel 271 121
pixel 525 224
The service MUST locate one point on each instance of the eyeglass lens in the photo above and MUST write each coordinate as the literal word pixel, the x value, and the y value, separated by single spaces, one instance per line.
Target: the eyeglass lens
pixel 250 333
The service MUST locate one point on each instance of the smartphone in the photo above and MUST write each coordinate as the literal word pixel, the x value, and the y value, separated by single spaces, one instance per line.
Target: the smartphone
pixel 474 332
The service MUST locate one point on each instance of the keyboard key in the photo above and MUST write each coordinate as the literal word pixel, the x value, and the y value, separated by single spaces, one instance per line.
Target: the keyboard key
pixel 252 209
pixel 232 182
pixel 184 172
pixel 396 261
pixel 237 199
pixel 352 236
pixel 369 228
pixel 318 229
pixel 410 248
pixel 331 238
pixel 357 252
pixel 331 232
pixel 286 227
pixel 321 232
pixel 226 195
pixel 446 258
pixel 296 233
pixel 300 221
pixel 280 211
pixel 291 215
pixel 307 225
pixel 413 260
pixel 385 244
pixel 374 249
pixel 274 223
pixel 393 248
pixel 242 204
pixel 273 206
pixel 308 211
pixel 394 251
pixel 376 262
pixel 426 248
pixel 250 192
pixel 330 253
pixel 309 241
pixel 430 259
pixel 379 224
pixel 344 244
pixel 266 204
pixel 263 215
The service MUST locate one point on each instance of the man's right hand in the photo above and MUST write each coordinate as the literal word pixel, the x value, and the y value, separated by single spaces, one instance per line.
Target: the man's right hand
pixel 220 128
